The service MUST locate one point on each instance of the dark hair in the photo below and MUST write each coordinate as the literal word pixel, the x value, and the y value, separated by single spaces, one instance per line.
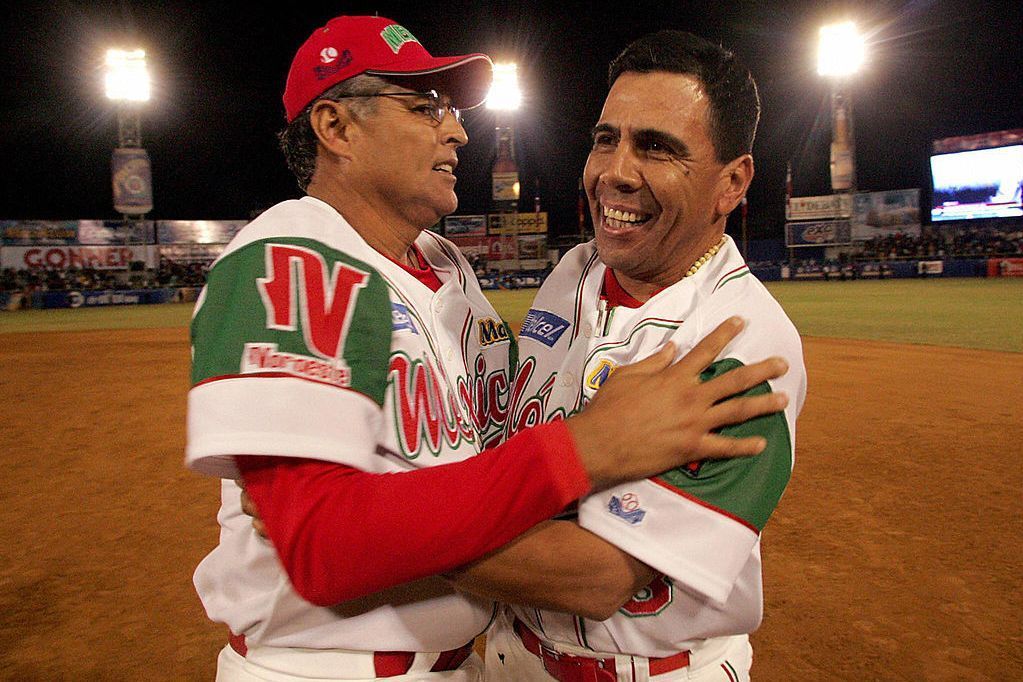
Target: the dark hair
pixel 298 141
pixel 734 103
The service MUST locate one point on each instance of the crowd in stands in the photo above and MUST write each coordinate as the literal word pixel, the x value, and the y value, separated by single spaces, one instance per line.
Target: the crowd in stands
pixel 169 274
pixel 954 242
pixel 932 243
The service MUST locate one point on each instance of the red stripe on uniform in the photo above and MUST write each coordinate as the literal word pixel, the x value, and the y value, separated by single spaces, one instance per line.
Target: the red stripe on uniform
pixel 704 503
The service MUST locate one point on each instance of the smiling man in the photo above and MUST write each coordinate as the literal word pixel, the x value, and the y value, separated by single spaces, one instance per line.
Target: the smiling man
pixel 671 158
pixel 343 367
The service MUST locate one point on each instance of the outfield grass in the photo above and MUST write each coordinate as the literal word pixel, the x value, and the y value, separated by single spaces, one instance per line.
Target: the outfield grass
pixel 107 317
pixel 968 313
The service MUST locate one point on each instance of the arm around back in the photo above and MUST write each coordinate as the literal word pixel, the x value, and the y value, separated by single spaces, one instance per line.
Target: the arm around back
pixel 558 566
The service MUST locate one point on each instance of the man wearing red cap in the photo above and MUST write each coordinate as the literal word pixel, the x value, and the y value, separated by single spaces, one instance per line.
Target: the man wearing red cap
pixel 347 366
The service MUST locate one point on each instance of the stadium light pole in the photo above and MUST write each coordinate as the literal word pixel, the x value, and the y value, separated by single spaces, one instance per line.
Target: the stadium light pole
pixel 504 98
pixel 840 55
pixel 128 85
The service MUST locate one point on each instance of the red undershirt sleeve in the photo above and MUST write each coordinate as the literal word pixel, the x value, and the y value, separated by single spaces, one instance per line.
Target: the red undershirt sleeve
pixel 342 533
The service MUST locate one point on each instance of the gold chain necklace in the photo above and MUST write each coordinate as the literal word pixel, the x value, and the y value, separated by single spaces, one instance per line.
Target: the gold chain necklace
pixel 704 258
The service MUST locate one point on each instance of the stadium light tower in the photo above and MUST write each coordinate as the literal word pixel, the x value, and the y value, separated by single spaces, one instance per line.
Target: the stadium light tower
pixel 840 55
pixel 128 85
pixel 504 99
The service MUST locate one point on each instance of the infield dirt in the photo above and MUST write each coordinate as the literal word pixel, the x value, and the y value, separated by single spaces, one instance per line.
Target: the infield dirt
pixel 893 555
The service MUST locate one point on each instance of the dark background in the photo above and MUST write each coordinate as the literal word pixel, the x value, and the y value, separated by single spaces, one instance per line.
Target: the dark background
pixel 935 69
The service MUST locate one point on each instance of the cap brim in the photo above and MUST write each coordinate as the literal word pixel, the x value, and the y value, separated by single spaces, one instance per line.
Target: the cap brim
pixel 465 78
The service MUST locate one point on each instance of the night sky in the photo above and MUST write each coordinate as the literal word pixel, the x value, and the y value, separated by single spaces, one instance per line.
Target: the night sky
pixel 935 69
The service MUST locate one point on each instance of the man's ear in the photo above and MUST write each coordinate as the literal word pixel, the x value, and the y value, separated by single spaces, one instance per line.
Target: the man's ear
pixel 735 179
pixel 332 124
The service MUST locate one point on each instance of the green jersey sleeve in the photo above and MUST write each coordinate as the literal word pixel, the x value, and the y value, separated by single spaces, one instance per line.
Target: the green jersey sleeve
pixel 747 488
pixel 294 307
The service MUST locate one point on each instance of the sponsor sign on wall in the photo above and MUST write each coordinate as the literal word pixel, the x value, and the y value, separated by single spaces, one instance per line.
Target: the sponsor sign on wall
pixel 197 231
pixel 818 233
pixel 533 247
pixel 465 226
pixel 877 214
pixel 56 232
pixel 1005 267
pixel 25 232
pixel 502 248
pixel 517 223
pixel 190 253
pixel 67 257
pixel 819 207
pixel 473 246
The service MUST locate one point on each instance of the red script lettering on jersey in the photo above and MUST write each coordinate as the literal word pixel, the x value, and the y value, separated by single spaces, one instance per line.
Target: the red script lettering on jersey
pixel 423 411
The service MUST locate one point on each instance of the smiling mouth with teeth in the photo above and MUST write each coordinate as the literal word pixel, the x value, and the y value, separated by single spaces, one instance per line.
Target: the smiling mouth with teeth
pixel 618 220
pixel 444 168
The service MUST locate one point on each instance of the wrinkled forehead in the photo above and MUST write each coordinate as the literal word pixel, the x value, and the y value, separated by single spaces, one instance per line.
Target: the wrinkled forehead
pixel 673 102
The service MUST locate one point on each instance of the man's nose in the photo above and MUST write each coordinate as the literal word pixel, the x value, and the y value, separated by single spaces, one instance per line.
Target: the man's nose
pixel 453 131
pixel 622 171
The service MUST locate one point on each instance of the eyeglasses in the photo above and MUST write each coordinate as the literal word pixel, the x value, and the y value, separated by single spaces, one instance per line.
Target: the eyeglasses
pixel 434 106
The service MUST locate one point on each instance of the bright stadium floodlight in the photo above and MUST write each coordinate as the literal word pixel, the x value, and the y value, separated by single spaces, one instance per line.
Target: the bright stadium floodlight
pixel 127 85
pixel 505 94
pixel 841 50
pixel 126 76
pixel 840 55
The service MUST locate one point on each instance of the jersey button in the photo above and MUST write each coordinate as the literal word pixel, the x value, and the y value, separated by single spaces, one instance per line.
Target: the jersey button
pixel 587 330
pixel 450 355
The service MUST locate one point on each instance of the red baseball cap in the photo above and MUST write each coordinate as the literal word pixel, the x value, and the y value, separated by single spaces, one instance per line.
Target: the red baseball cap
pixel 377 46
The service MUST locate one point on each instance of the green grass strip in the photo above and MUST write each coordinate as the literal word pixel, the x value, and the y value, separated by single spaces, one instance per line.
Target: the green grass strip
pixel 960 312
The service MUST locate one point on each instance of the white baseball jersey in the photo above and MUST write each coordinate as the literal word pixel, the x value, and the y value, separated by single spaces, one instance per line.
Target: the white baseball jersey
pixel 699 525
pixel 308 343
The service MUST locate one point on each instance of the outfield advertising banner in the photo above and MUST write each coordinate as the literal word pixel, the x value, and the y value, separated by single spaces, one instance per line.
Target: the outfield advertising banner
pixel 115 232
pixel 197 231
pixel 27 232
pixel 879 214
pixel 818 233
pixel 517 223
pixel 1005 267
pixel 502 248
pixel 828 206
pixel 478 247
pixel 105 297
pixel 465 226
pixel 71 232
pixel 533 247
pixel 191 253
pixel 80 257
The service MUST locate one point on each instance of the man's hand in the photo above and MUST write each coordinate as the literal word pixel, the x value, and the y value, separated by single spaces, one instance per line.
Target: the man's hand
pixel 654 415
